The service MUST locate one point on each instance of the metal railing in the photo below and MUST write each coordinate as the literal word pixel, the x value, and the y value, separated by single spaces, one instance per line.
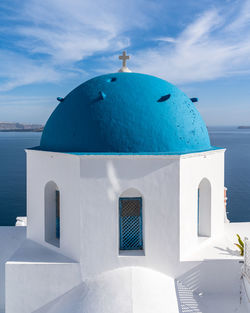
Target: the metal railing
pixel 246 267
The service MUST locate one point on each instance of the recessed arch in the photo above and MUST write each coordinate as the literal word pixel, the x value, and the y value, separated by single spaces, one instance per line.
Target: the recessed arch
pixel 204 208
pixel 131 192
pixel 52 213
pixel 131 220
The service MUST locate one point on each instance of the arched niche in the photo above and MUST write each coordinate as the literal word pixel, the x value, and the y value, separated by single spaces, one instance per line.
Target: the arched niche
pixel 204 208
pixel 52 214
pixel 131 193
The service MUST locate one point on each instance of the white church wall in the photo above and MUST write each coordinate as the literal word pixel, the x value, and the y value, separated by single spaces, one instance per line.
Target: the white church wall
pixel 103 180
pixel 193 169
pixel 63 170
pixel 90 187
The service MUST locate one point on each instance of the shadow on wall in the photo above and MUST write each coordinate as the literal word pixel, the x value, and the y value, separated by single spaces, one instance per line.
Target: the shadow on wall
pixel 228 251
pixel 126 168
pixel 187 300
pixel 187 288
pixel 209 279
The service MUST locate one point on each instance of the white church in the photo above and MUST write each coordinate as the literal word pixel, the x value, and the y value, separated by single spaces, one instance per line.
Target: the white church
pixel 125 209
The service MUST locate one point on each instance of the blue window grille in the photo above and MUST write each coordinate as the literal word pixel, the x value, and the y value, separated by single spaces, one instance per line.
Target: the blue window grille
pixel 57 214
pixel 130 211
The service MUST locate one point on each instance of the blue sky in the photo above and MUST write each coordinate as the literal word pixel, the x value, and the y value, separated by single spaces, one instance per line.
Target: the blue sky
pixel 49 47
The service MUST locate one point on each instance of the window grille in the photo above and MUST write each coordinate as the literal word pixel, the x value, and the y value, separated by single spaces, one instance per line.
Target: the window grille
pixel 130 223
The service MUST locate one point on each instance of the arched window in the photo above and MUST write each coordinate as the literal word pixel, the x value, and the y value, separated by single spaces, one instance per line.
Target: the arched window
pixel 204 208
pixel 52 214
pixel 130 220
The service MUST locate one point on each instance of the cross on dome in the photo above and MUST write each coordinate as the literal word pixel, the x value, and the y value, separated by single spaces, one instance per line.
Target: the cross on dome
pixel 124 57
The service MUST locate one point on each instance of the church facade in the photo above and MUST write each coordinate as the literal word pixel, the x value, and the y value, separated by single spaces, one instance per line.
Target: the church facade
pixel 119 209
pixel 125 206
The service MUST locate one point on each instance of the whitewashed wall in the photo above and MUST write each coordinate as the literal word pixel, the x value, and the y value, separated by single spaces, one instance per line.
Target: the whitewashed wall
pixel 90 187
pixel 103 180
pixel 63 169
pixel 194 168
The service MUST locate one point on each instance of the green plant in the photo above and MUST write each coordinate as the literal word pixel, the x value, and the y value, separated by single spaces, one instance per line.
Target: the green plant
pixel 240 245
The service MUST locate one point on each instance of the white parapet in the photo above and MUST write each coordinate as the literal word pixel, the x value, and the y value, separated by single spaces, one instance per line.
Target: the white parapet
pixel 21 221
pixel 36 275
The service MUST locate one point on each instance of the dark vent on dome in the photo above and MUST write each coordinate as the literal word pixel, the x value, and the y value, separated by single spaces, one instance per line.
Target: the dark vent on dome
pixel 164 98
pixel 111 80
pixel 102 95
pixel 194 99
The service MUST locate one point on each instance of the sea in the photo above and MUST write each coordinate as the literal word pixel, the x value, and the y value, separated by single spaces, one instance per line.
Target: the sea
pixel 13 171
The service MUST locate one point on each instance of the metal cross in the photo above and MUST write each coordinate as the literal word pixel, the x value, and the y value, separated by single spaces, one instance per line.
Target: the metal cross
pixel 124 58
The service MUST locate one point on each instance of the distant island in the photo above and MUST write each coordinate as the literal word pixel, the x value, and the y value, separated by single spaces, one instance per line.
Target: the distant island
pixel 243 127
pixel 18 127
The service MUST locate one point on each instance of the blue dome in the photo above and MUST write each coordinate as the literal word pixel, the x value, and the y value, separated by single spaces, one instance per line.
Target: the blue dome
pixel 125 113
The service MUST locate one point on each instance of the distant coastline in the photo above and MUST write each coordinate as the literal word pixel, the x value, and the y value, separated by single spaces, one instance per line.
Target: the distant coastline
pixel 19 127
pixel 243 127
pixel 20 130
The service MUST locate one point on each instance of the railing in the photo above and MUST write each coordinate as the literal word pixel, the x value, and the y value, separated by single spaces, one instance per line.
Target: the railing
pixel 226 220
pixel 246 267
pixel 245 276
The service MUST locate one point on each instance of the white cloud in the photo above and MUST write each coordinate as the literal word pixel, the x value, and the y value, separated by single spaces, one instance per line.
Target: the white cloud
pixel 72 31
pixel 26 109
pixel 28 100
pixel 242 18
pixel 166 39
pixel 206 49
pixel 17 70
pixel 51 36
